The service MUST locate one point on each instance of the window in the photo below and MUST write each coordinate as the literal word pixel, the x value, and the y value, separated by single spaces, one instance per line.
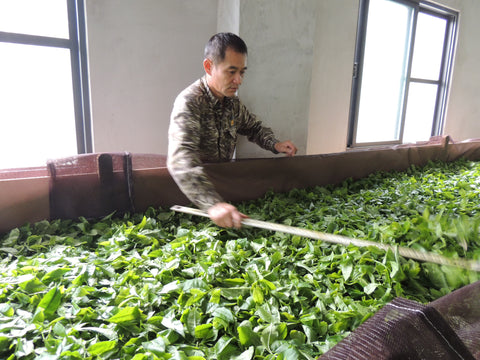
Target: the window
pixel 44 107
pixel 402 66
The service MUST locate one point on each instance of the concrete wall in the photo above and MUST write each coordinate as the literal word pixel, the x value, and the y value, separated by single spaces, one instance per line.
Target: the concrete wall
pixel 280 36
pixel 463 113
pixel 228 19
pixel 143 52
pixel 335 36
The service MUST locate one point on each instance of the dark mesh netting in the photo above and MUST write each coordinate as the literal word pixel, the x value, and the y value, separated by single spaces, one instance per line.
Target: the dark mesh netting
pixel 448 328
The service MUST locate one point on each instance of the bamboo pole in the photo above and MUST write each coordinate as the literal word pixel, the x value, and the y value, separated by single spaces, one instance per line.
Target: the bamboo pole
pixel 344 240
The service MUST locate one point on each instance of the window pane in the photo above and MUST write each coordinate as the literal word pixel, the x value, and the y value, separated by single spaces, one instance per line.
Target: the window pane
pixel 420 111
pixel 36 105
pixel 35 17
pixel 384 71
pixel 428 49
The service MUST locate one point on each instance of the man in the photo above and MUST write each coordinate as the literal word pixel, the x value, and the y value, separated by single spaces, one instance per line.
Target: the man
pixel 205 121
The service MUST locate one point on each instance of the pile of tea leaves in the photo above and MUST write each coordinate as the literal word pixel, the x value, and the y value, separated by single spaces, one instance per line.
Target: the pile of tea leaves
pixel 166 285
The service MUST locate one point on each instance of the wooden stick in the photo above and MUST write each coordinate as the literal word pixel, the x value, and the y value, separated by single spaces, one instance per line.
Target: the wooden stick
pixel 343 240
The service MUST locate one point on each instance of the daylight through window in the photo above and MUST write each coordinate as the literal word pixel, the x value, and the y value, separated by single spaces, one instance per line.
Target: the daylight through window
pixel 402 67
pixel 42 111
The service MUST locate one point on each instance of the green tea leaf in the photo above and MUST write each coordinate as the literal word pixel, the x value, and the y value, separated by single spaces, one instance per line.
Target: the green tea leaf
pixel 131 314
pixel 204 331
pixel 101 347
pixel 50 302
pixel 257 294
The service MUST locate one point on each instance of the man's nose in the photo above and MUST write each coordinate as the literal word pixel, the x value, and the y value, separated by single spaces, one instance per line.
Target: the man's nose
pixel 238 79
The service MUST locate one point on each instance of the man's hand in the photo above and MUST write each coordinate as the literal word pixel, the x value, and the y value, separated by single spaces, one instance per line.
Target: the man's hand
pixel 286 147
pixel 226 215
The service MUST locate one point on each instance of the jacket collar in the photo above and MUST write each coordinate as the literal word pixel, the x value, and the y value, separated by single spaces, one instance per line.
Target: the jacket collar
pixel 215 101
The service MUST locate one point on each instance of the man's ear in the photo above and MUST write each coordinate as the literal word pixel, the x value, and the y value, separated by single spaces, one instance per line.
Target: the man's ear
pixel 208 65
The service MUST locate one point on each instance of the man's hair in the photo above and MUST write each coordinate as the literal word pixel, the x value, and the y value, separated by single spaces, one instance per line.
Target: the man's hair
pixel 219 43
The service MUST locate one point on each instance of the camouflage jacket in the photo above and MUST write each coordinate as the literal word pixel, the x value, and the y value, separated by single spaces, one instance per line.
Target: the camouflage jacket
pixel 204 129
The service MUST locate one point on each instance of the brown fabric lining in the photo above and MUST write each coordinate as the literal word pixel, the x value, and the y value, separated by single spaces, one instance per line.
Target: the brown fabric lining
pixel 77 190
pixel 92 185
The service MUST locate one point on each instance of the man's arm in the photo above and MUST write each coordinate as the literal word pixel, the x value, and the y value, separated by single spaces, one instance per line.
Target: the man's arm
pixel 183 159
pixel 286 147
pixel 261 135
pixel 226 215
pixel 194 183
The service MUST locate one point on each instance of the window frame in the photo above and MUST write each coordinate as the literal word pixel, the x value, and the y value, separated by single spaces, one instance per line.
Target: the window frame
pixel 443 81
pixel 77 44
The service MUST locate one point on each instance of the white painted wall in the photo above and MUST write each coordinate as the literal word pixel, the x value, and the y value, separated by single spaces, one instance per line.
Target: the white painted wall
pixel 463 115
pixel 228 19
pixel 280 36
pixel 335 36
pixel 143 52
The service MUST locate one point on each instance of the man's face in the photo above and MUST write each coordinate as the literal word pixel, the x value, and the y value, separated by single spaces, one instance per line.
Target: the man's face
pixel 226 77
